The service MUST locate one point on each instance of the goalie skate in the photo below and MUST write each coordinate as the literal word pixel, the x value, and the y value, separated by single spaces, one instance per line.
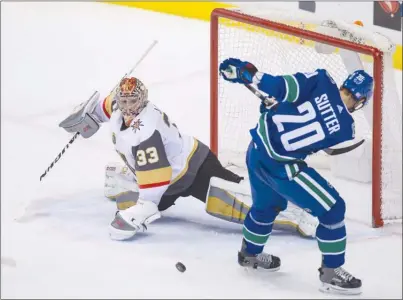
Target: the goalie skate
pixel 338 280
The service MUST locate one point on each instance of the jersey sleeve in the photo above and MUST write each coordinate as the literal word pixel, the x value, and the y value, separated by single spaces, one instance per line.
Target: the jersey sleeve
pixel 153 170
pixel 104 108
pixel 290 88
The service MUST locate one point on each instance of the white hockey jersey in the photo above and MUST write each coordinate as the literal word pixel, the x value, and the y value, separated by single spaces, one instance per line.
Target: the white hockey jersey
pixel 163 160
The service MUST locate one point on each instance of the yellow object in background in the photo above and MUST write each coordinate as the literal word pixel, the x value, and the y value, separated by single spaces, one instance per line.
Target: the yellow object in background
pixel 202 10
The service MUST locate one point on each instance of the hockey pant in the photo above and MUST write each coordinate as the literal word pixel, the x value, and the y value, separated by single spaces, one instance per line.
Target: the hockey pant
pixel 125 190
pixel 272 183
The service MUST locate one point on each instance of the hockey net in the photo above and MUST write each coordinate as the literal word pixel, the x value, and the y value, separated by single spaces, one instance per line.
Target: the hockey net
pixel 280 42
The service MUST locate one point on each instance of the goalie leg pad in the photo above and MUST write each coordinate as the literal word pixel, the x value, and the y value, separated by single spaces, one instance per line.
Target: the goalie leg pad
pixel 126 200
pixel 223 204
pixel 119 180
pixel 296 219
pixel 226 201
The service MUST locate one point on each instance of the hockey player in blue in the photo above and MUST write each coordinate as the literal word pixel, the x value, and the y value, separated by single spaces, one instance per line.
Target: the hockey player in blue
pixel 310 114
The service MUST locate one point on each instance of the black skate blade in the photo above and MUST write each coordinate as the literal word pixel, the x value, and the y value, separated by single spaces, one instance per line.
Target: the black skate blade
pixel 333 289
pixel 254 268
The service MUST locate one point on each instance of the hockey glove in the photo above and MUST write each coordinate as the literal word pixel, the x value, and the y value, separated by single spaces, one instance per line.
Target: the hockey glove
pixel 83 118
pixel 237 71
pixel 134 219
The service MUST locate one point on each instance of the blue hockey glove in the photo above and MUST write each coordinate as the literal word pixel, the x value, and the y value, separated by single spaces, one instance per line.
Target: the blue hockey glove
pixel 237 71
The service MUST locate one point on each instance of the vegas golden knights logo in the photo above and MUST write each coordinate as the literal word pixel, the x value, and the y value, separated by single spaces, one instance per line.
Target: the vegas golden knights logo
pixel 136 125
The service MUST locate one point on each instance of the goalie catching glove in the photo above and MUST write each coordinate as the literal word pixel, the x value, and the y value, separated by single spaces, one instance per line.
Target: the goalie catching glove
pixel 83 119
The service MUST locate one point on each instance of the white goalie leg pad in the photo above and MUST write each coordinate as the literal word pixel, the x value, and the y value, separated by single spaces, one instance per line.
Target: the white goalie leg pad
pixel 297 218
pixel 241 190
pixel 132 220
pixel 118 180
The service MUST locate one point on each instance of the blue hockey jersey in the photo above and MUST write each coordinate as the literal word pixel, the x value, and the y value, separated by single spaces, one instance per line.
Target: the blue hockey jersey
pixel 309 117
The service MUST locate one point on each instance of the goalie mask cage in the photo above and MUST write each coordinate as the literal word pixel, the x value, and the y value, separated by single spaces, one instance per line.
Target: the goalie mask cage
pixel 280 42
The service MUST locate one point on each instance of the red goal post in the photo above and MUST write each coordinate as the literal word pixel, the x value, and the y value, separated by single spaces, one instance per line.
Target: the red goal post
pixel 307 35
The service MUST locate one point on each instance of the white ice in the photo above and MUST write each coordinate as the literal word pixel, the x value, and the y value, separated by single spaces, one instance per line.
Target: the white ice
pixel 53 57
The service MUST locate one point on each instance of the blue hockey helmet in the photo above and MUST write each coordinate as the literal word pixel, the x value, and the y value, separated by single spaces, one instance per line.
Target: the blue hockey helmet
pixel 360 85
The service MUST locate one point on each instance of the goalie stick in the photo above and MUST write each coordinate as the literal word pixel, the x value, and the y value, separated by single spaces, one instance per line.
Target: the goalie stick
pixel 271 103
pixel 77 133
pixel 59 155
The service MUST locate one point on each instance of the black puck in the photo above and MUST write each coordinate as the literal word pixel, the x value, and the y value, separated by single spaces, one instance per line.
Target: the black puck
pixel 181 267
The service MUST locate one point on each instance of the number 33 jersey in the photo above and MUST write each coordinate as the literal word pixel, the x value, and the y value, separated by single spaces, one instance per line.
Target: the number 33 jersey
pixel 163 160
pixel 310 116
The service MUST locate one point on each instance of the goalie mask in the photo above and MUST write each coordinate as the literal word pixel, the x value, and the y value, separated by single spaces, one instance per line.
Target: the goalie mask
pixel 131 98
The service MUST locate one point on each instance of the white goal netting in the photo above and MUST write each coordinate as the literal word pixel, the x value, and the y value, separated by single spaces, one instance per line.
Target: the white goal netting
pixel 279 53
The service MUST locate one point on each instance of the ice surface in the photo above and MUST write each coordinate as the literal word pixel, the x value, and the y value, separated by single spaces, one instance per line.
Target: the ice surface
pixel 53 56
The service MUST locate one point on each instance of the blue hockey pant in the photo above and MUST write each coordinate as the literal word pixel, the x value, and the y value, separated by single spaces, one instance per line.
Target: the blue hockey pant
pixel 272 184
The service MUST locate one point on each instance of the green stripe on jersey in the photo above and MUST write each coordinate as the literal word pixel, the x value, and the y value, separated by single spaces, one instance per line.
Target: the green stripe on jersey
pixel 263 133
pixel 292 88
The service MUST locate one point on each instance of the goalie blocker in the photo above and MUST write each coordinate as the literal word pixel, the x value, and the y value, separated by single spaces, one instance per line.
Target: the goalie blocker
pixel 224 199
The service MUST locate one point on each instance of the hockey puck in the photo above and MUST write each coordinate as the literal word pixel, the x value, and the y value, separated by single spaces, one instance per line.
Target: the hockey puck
pixel 181 267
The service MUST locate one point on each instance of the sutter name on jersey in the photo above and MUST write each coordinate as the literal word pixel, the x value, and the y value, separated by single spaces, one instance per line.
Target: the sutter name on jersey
pixel 327 113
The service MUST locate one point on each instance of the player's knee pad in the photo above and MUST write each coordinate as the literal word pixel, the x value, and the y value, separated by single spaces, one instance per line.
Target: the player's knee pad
pixel 264 215
pixel 335 214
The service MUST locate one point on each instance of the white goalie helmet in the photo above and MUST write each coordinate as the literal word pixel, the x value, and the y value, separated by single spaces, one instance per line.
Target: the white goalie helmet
pixel 131 97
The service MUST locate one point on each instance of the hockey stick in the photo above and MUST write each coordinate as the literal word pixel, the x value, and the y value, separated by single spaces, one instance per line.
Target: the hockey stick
pixel 60 155
pixel 338 151
pixel 138 62
pixel 77 133
pixel 272 103
pixel 265 99
pixel 268 101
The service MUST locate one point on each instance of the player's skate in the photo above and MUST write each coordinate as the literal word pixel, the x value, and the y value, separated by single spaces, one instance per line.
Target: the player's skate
pixel 338 280
pixel 262 260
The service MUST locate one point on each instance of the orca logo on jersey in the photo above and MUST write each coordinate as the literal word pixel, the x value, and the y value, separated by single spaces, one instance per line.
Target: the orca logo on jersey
pixel 327 113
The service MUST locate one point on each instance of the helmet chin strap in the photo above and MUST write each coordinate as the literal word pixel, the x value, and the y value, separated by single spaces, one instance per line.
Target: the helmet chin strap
pixel 357 106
